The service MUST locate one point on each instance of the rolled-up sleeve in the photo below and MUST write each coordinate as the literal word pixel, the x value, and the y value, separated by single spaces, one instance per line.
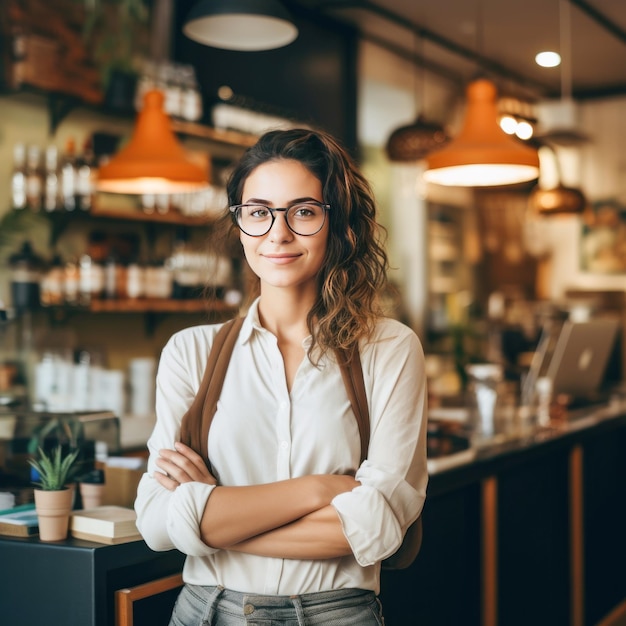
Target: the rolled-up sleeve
pixel 394 476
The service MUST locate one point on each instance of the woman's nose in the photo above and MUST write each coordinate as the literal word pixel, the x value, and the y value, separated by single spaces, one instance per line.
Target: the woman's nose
pixel 279 230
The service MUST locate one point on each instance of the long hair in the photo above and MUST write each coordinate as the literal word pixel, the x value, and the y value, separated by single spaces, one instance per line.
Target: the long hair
pixel 355 268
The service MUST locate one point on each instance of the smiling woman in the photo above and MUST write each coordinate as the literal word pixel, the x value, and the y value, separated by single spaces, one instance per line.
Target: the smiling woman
pixel 284 520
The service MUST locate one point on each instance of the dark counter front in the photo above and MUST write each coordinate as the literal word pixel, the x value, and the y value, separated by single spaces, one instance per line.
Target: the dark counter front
pixel 527 531
pixel 73 582
pixel 531 530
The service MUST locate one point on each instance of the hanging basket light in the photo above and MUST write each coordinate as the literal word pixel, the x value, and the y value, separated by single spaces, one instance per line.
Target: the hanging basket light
pixel 414 141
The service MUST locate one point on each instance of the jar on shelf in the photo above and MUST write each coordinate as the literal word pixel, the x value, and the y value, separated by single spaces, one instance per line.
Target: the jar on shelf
pixel 158 281
pixel 135 280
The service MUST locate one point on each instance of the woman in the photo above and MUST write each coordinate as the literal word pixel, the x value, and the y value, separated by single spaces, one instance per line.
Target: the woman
pixel 287 526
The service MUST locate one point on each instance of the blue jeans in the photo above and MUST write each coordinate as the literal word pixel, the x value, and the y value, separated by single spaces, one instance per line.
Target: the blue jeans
pixel 216 606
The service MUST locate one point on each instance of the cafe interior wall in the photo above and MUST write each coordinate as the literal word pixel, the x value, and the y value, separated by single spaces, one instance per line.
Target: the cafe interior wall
pixel 387 98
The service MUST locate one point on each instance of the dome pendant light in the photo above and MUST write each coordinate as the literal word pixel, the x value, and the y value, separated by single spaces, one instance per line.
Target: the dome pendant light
pixel 482 154
pixel 153 161
pixel 246 25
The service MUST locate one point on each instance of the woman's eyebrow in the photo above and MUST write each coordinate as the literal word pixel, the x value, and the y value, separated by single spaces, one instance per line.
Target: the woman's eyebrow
pixel 268 203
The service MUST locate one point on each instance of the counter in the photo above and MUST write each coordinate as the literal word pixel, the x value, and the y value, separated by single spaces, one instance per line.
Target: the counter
pixel 526 530
pixel 73 582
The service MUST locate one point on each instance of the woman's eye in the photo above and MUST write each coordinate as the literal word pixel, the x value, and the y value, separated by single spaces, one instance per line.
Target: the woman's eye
pixel 303 210
pixel 259 212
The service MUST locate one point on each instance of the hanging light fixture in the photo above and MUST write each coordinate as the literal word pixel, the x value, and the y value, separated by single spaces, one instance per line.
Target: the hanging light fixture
pixel 153 161
pixel 414 141
pixel 247 25
pixel 482 154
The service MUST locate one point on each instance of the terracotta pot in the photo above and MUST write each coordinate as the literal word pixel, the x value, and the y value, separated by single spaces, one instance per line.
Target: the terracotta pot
pixel 53 510
pixel 91 494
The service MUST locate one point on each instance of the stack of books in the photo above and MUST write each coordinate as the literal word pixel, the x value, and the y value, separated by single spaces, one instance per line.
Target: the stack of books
pixel 105 524
pixel 19 521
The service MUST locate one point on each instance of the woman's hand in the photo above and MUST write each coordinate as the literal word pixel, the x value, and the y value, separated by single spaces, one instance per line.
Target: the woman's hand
pixel 182 465
pixel 331 485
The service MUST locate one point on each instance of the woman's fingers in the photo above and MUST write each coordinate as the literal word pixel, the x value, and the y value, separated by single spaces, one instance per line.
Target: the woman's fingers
pixel 192 455
pixel 184 466
pixel 166 481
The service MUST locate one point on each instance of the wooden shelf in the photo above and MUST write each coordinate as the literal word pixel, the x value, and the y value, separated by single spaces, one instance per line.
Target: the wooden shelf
pixel 157 305
pixel 136 215
pixel 228 137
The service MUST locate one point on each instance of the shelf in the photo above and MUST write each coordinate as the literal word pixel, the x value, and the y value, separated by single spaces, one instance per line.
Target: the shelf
pixel 136 215
pixel 157 305
pixel 229 137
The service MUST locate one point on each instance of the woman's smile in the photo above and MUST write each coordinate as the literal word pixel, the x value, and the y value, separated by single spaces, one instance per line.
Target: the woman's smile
pixel 281 258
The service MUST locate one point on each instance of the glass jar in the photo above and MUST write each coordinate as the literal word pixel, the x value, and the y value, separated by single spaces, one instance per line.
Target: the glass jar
pixel 485 387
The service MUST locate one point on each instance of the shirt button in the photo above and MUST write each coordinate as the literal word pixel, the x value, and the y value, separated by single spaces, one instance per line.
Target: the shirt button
pixel 284 445
pixel 248 609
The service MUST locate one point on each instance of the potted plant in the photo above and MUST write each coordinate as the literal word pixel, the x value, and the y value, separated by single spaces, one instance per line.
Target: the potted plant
pixel 53 496
pixel 118 31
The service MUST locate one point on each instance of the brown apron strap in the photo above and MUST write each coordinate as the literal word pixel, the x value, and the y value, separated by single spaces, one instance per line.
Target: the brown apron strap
pixel 352 374
pixel 194 428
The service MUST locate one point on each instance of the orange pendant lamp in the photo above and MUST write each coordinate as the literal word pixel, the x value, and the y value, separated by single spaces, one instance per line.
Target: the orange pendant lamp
pixel 153 161
pixel 482 154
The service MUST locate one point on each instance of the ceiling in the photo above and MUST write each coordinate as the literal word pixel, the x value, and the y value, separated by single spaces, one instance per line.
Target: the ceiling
pixel 459 39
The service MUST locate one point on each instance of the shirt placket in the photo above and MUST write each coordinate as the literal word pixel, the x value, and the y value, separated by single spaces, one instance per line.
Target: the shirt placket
pixel 283 462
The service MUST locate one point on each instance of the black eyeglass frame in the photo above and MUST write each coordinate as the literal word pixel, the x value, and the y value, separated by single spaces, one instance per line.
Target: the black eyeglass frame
pixel 236 208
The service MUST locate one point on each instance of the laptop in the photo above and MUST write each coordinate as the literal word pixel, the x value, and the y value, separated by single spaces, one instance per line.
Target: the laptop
pixel 581 354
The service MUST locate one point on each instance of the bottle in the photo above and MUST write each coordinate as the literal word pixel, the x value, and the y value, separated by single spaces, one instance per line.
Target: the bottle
pixel 146 83
pixel 158 280
pixel 18 177
pixel 68 176
pixel 90 279
pixel 162 203
pixel 26 270
pixel 34 178
pixel 71 279
pixel 85 174
pixel 190 100
pixel 51 180
pixel 135 280
pixel 52 283
pixel 114 277
pixel 19 52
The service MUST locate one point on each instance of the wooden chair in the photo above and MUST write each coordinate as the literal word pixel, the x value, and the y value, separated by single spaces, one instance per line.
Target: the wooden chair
pixel 125 598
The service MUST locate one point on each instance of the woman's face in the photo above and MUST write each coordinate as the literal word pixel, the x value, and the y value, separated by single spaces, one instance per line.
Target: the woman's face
pixel 281 258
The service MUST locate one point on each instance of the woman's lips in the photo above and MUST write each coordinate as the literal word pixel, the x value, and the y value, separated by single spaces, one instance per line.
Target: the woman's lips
pixel 281 259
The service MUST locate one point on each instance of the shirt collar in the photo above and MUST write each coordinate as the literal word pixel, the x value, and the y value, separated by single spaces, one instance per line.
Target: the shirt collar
pixel 252 324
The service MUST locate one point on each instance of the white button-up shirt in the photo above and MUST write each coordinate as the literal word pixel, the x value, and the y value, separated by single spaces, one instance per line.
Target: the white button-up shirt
pixel 263 433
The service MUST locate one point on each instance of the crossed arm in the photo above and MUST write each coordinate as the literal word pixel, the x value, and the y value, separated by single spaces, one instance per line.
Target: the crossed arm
pixel 285 519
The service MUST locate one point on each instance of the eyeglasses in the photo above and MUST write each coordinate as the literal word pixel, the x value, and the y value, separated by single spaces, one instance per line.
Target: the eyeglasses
pixel 303 218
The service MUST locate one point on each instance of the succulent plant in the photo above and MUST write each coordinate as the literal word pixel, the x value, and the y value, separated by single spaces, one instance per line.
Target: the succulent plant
pixel 55 469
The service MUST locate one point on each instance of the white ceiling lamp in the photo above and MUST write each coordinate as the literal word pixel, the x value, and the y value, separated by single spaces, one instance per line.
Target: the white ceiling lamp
pixel 245 25
pixel 548 58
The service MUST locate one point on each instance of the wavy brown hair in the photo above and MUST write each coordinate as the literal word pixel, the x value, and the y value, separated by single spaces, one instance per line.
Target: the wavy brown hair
pixel 355 268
